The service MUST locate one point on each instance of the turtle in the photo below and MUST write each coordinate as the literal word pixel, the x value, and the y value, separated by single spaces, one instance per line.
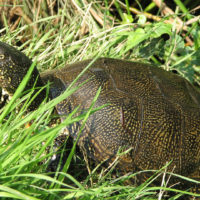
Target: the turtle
pixel 151 113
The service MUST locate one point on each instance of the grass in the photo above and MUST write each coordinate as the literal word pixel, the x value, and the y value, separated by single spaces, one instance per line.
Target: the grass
pixel 70 32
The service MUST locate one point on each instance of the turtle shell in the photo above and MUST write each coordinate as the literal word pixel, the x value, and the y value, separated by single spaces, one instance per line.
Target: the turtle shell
pixel 153 113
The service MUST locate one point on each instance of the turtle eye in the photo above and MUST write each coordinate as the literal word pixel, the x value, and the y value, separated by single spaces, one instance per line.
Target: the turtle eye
pixel 2 56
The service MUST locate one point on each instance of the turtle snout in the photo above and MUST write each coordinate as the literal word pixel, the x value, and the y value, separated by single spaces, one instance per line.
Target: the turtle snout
pixel 5 59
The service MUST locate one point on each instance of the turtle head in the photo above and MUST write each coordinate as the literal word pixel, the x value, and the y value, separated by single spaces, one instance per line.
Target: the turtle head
pixel 13 67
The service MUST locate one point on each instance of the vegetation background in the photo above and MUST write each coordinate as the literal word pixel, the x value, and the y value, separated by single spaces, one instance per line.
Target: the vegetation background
pixel 56 32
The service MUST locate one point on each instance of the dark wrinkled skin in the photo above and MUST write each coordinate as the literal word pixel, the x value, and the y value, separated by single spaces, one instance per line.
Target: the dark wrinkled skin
pixel 154 113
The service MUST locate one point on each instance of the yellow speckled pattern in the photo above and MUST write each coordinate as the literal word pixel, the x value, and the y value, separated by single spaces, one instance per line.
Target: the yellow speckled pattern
pixel 154 113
